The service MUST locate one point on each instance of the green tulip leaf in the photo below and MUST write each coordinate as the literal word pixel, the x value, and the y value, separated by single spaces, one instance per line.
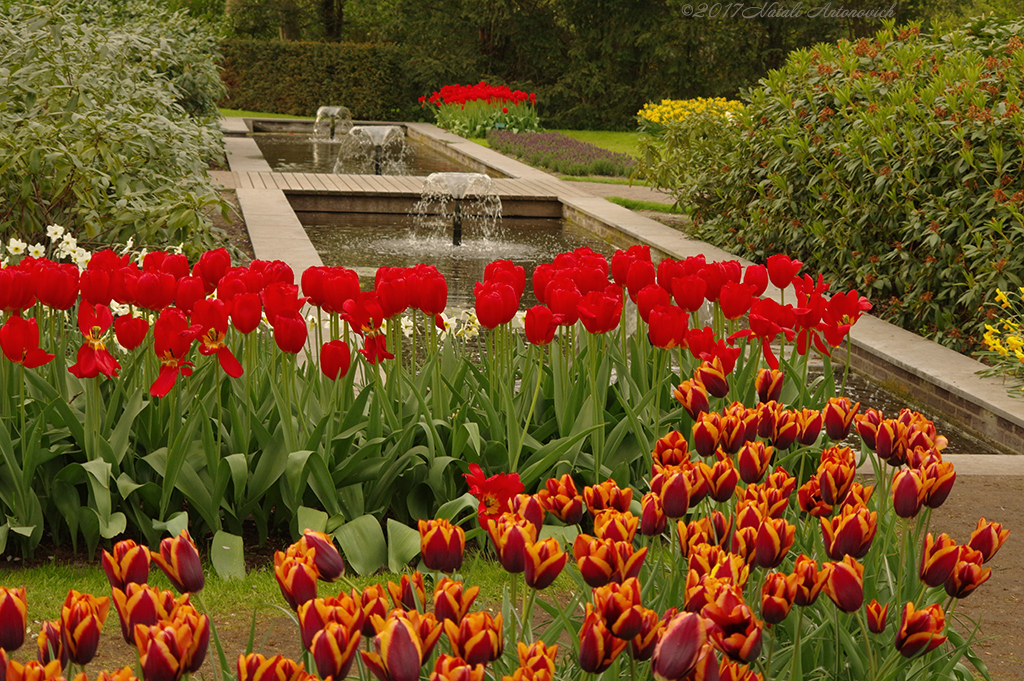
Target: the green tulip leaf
pixel 363 543
pixel 227 555
pixel 403 545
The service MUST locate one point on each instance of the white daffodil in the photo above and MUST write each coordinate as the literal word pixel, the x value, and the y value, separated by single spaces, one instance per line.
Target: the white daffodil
pixel 407 326
pixel 119 308
pixel 37 250
pixel 82 257
pixel 54 231
pixel 519 320
pixel 68 242
pixel 446 324
pixel 16 246
pixel 142 256
pixel 128 245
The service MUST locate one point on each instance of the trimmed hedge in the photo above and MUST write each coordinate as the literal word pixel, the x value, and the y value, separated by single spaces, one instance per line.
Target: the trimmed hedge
pixel 298 77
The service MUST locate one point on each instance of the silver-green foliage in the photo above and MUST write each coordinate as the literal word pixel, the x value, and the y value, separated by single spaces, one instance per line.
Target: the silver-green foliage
pixel 107 122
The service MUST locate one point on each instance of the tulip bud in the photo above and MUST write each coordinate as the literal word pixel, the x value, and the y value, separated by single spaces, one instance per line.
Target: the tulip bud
pixel 876 616
pixel 399 652
pixel 768 385
pixel 619 605
pixel 753 460
pixel 713 376
pixel 844 584
pixel 13 618
pixel 938 557
pixel 808 580
pixel 598 646
pixel 179 559
pixel 477 639
pixel 920 630
pixel 561 499
pixel 510 534
pixel 607 495
pixel 409 593
pixel 81 619
pixel 652 517
pixel 441 544
pixel 908 492
pixel 774 538
pixel 967 574
pixel 693 396
pixel 838 416
pixel 679 647
pixel 777 594
pixel 129 564
pixel 987 538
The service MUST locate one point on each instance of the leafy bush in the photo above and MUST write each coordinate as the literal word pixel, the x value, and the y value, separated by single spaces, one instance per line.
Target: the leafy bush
pixel 893 166
pixel 299 77
pixel 107 122
pixel 474 110
pixel 561 153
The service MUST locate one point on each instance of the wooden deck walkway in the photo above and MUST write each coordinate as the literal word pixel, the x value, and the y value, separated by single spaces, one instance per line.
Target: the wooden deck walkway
pixel 390 185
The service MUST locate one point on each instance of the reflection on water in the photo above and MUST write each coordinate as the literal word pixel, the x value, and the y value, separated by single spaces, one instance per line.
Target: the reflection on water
pixel 300 153
pixel 365 242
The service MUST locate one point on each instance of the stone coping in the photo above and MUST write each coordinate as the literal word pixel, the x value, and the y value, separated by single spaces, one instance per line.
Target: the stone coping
pixel 923 372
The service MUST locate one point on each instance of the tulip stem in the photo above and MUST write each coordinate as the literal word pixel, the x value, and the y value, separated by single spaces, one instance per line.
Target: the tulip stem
pixel 796 667
pixel 513 598
pixel 839 663
pixel 867 643
pixel 219 663
pixel 529 414
pixel 528 600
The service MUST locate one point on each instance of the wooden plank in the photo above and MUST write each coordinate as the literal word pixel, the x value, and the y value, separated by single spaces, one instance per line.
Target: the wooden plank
pixel 378 184
pixel 257 181
pixel 243 181
pixel 303 181
pixel 360 183
pixel 320 182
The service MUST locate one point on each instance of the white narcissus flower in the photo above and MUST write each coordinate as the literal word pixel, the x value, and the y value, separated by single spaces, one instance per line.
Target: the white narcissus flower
pixel 37 250
pixel 82 257
pixel 54 231
pixel 119 308
pixel 128 245
pixel 519 320
pixel 446 324
pixel 16 246
pixel 68 242
pixel 407 327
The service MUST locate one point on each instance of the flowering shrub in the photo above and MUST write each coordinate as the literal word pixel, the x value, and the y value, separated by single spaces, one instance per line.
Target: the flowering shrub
pixel 561 153
pixel 473 110
pixel 680 109
pixel 851 157
pixel 1004 341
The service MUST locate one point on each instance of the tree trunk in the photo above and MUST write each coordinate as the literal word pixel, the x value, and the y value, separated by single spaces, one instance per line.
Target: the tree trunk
pixel 332 16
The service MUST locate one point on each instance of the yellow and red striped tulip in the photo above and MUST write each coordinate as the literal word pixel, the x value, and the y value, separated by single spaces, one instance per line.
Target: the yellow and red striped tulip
pixel 723 479
pixel 510 534
pixel 891 442
pixel 296 574
pixel 141 604
pixel 125 673
pixel 810 500
pixel 451 668
pixel 876 614
pixel 849 533
pixel 615 525
pixel 744 544
pixel 987 538
pixel 909 488
pixel 920 630
pixel 179 559
pixel 858 495
pixel 732 671
pixel 753 460
pixel 967 574
pixel 129 564
pixel 544 562
pixel 651 627
pixel 596 559
pixel 653 520
pixel 693 396
pixel 560 499
pixel 768 385
pixel 598 646
pixel 442 545
pixel 426 627
pixel 940 476
pixel 835 476
pixel 81 620
pixel 162 649
pixel 185 616
pixel 838 416
pixel 774 539
pixel 713 376
pixel 679 647
pixel 844 584
pixel 345 609
pixel 452 600
pixel 49 644
pixel 672 485
pixel 607 495
pixel 809 423
pixel 32 670
pixel 707 433
pixel 13 617
pixel 477 639
pixel 255 667
pixel 399 652
pixel 374 600
pixel 785 428
pixel 620 606
pixel 672 449
pixel 807 580
pixel 537 656
pixel 938 557
pixel 409 593
pixel 733 433
pixel 334 648
pixel 867 426
pixel 529 506
pixel 777 594
pixel 780 479
pixel 329 565
pixel 735 631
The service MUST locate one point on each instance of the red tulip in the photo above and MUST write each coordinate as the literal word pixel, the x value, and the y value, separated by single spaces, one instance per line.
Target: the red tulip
pixel 600 311
pixel 496 303
pixel 540 324
pixel 650 297
pixel 246 311
pixel 876 616
pixel 212 318
pixel 290 332
pixel 13 618
pixel 57 286
pixel 19 340
pixel 172 339
pixel 179 560
pixel 93 357
pixel 667 326
pixel 211 267
pixel 782 270
pixel 130 331
pixel 189 291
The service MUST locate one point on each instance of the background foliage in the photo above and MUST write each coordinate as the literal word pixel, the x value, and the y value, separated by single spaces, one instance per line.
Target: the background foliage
pixel 107 122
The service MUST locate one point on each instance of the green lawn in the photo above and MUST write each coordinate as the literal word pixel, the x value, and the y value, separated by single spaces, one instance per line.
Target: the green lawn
pixel 621 142
pixel 237 113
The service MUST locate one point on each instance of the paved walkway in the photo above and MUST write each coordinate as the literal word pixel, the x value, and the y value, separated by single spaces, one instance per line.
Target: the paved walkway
pixel 636 192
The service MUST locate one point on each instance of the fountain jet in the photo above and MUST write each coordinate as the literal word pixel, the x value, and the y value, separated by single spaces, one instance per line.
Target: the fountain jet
pixel 331 122
pixel 449 198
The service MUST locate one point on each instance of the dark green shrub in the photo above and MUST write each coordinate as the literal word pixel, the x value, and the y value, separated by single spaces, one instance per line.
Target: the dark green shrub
pixel 894 166
pixel 298 77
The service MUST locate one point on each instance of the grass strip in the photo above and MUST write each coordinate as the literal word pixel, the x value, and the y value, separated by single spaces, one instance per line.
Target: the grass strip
pixel 634 204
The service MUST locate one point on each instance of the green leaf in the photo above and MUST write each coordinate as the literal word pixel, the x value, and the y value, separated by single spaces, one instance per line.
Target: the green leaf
pixel 363 543
pixel 173 525
pixel 310 519
pixel 227 555
pixel 403 545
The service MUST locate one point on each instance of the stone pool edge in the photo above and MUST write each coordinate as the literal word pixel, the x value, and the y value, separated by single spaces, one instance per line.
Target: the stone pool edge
pixel 925 372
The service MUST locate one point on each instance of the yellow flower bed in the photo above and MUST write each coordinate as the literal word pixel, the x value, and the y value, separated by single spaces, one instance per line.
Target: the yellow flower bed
pixel 679 109
pixel 1004 340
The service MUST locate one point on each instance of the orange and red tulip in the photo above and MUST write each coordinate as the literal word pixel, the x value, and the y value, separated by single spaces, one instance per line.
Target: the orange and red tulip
pixel 652 516
pixel 49 644
pixel 425 625
pixel 334 648
pixel 596 559
pixel 673 486
pixel 129 564
pixel 560 499
pixel 409 593
pixel 179 560
pixel 867 426
pixel 938 557
pixel 752 460
pixel 186 617
pixel 777 595
pixel 614 525
pixel 442 545
pixel 734 631
pixel 768 385
pixel 374 600
pixel 849 533
pixel 528 506
pixel 141 604
pixel 909 489
pixel 510 534
pixel 836 474
pixel 619 605
pixel 723 480
pixel 785 428
pixel 81 620
pixel 125 673
pixel 296 575
pixel 809 422
pixel 452 600
pixel 607 495
pixel 598 646
pixel 544 562
pixel 713 376
pixel 13 618
pixel 452 668
pixel 537 656
pixel 32 670
pixel 807 579
pixel 315 614
pixel 707 433
pixel 876 614
pixel 162 650
pixel 774 538
pixel 399 652
pixel 693 396
pixel 920 630
pixel 671 449
pixel 326 557
pixel 987 538
pixel 477 639
pixel 255 667
pixel 858 495
pixel 939 476
pixel 844 584
pixel 838 416
pixel 679 648
pixel 810 500
pixel 651 627
pixel 967 574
